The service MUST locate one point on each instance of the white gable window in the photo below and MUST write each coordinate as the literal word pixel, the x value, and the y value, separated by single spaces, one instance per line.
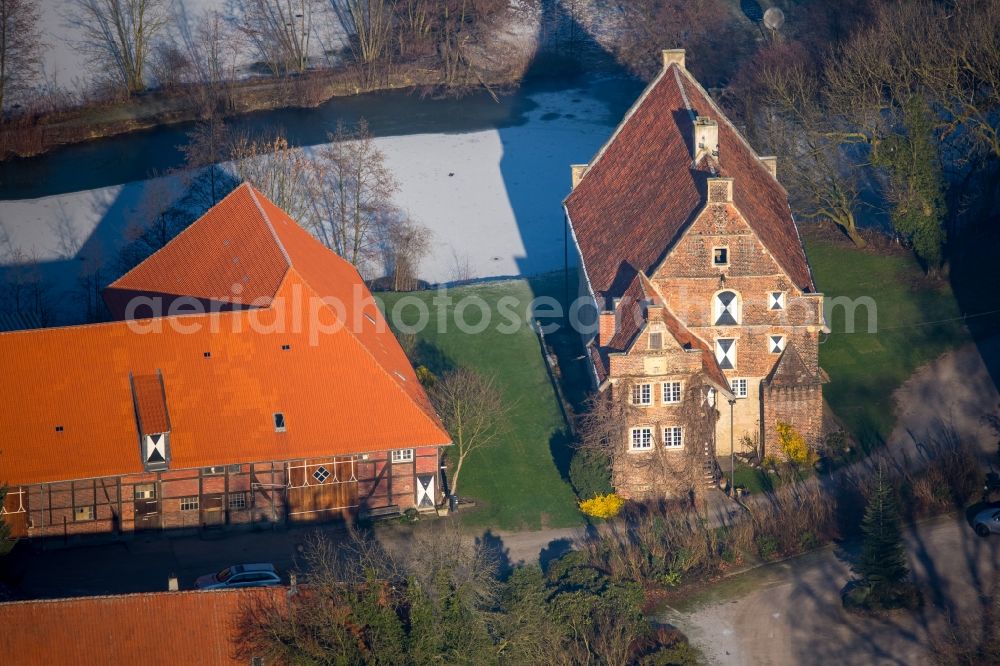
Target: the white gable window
pixel 673 437
pixel 720 256
pixel 776 343
pixel 776 300
pixel 726 309
pixel 671 393
pixel 642 394
pixel 725 353
pixel 402 456
pixel 739 386
pixel 641 438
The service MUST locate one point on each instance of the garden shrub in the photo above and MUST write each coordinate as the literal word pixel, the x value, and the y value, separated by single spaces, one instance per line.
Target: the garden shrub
pixel 794 446
pixel 603 506
pixel 589 473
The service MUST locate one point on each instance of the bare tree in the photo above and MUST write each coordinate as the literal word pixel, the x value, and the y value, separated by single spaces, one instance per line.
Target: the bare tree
pixel 368 24
pixel 822 182
pixel 210 49
pixel 282 173
pixel 20 48
pixel 472 410
pixel 118 35
pixel 404 244
pixel 208 145
pixel 354 191
pixel 279 31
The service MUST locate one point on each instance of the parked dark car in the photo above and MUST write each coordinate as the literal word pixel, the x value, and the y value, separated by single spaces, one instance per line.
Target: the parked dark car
pixel 240 575
pixel 987 522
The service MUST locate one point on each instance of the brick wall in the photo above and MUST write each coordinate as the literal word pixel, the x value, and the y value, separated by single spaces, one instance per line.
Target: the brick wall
pixel 241 494
pixel 800 407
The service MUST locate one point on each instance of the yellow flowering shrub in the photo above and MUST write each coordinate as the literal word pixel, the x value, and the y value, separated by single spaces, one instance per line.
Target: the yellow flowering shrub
pixel 426 378
pixel 793 444
pixel 603 506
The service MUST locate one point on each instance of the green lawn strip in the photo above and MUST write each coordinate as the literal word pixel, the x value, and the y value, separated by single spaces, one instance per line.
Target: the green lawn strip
pixel 759 480
pixel 865 368
pixel 515 483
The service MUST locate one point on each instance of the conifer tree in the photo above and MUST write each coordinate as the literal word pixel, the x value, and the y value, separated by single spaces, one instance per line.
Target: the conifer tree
pixel 882 565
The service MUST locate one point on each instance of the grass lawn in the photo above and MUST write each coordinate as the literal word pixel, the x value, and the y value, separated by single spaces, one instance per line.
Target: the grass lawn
pixel 865 368
pixel 759 481
pixel 516 483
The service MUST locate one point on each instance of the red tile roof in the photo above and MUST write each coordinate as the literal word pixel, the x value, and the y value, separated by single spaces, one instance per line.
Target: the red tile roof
pixel 634 314
pixel 642 189
pixel 157 628
pixel 344 389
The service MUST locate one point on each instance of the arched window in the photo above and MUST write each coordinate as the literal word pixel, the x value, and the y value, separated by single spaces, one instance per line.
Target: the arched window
pixel 726 309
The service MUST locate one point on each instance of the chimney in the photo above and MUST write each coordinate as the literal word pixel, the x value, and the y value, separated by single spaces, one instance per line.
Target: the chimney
pixel 771 162
pixel 706 138
pixel 576 173
pixel 605 327
pixel 172 585
pixel 720 190
pixel 673 57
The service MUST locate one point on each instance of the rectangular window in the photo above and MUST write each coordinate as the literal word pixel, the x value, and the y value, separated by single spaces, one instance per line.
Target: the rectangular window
pixel 279 422
pixel 402 456
pixel 720 256
pixel 671 393
pixel 82 513
pixel 725 353
pixel 739 387
pixel 776 343
pixel 642 394
pixel 776 300
pixel 656 340
pixel 211 471
pixel 237 501
pixel 642 439
pixel 673 437
pixel 147 491
pixel 189 503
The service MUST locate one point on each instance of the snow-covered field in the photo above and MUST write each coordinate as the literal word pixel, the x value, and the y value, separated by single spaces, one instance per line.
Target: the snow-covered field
pixel 64 64
pixel 492 200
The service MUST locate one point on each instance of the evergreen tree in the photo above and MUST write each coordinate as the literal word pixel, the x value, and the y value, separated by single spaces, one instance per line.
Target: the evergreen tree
pixel 916 182
pixel 882 565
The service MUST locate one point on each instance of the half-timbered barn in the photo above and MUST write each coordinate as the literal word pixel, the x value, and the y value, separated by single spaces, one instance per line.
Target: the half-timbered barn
pixel 708 318
pixel 248 378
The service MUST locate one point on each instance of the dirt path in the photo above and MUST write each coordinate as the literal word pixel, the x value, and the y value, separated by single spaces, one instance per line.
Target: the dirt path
pixel 790 612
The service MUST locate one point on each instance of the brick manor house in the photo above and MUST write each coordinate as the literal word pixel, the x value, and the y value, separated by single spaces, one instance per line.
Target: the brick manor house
pixel 708 318
pixel 267 406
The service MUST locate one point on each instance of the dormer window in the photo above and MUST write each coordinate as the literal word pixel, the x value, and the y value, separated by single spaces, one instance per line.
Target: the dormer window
pixel 720 256
pixel 279 422
pixel 726 309
pixel 776 300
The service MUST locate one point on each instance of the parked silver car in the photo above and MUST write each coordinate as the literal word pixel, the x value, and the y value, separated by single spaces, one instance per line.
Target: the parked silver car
pixel 240 575
pixel 987 522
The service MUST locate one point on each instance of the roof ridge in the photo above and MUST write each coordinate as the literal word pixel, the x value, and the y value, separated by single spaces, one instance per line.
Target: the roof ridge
pixel 267 221
pixel 725 117
pixel 437 424
pixel 131 595
pixel 628 116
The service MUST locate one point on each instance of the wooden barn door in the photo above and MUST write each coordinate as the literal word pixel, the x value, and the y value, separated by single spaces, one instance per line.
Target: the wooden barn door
pixel 322 490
